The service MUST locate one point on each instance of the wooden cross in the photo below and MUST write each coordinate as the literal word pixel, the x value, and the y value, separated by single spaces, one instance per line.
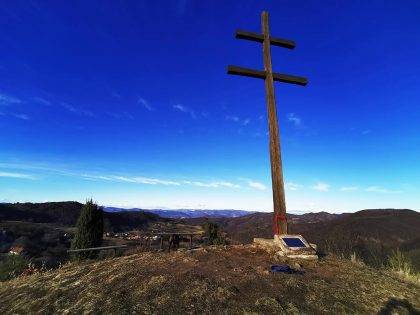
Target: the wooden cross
pixel 280 222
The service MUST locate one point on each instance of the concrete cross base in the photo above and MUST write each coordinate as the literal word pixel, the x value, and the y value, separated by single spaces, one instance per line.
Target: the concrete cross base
pixel 279 245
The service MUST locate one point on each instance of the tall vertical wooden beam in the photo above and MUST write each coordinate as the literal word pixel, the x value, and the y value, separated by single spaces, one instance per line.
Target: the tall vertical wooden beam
pixel 279 202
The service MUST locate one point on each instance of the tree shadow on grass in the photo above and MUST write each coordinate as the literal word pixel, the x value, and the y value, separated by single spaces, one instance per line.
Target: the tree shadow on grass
pixel 397 306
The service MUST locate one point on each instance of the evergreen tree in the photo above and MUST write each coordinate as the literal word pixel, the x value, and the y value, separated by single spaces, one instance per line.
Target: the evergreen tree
pixel 211 231
pixel 90 226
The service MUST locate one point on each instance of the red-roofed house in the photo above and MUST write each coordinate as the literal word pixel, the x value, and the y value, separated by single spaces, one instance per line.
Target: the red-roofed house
pixel 16 250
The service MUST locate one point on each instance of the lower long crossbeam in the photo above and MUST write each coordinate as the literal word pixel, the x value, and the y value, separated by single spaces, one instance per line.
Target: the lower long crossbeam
pixel 280 77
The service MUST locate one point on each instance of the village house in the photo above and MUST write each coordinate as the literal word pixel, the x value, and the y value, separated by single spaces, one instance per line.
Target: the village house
pixel 16 250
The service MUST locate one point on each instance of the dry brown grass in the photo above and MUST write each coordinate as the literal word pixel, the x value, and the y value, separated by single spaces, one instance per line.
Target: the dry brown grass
pixel 212 280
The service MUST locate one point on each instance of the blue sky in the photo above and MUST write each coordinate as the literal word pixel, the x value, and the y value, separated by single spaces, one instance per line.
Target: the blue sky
pixel 129 103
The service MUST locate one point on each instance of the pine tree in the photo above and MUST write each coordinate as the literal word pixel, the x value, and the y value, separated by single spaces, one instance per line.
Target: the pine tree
pixel 211 231
pixel 90 228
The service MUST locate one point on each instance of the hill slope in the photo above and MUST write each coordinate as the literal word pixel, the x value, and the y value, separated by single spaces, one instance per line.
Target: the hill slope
pixel 243 229
pixel 372 235
pixel 213 280
pixel 66 213
pixel 390 226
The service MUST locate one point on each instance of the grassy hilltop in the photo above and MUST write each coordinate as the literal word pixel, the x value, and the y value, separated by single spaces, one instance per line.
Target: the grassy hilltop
pixel 230 280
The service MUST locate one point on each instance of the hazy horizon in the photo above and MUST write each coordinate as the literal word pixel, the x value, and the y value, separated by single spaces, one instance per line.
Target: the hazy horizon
pixel 291 211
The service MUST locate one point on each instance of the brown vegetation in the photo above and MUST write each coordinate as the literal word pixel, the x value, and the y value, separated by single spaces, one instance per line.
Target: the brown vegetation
pixel 234 279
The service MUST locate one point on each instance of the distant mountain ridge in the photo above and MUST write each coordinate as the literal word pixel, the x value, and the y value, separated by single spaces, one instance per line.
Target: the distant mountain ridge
pixel 188 213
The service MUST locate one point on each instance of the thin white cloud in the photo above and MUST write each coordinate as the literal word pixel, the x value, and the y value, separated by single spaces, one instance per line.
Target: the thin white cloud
pixel 292 186
pixel 228 184
pixel 245 122
pixel 76 110
pixel 381 190
pixel 137 180
pixel 184 109
pixel 216 184
pixel 365 132
pixel 16 115
pixel 38 167
pixel 8 100
pixel 124 115
pixel 320 186
pixel 181 108
pixel 200 184
pixel 21 116
pixel 112 178
pixel 41 100
pixel 145 104
pixel 232 118
pixel 257 185
pixel 16 175
pixel 155 181
pixel 236 119
pixel 349 188
pixel 116 95
pixel 296 120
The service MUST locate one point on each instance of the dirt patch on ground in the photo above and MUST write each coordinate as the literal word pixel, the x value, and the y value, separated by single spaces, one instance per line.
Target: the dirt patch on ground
pixel 234 279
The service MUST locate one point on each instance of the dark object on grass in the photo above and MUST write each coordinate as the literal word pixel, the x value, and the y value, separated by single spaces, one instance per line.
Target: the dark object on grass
pixel 285 269
pixel 397 306
pixel 174 242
